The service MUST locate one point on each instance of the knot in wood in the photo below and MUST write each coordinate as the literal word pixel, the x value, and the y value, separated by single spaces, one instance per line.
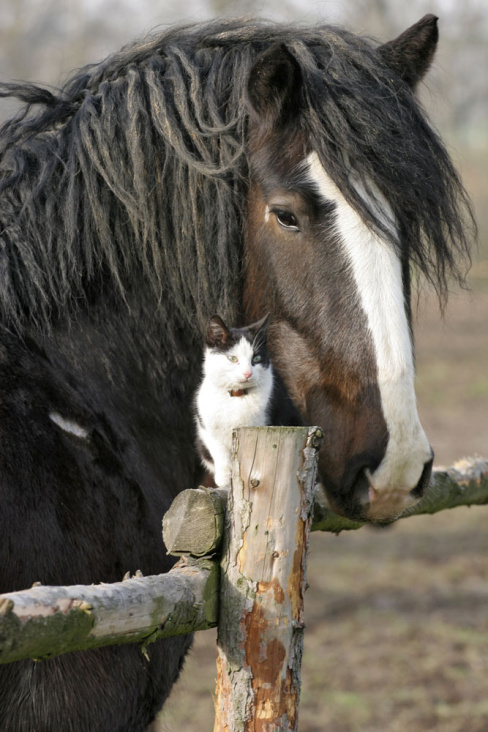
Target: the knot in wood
pixel 317 439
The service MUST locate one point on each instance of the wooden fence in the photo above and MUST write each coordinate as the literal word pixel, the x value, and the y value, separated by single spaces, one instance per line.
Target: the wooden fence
pixel 242 567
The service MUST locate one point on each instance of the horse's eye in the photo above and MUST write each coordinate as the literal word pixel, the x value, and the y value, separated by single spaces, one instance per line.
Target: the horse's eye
pixel 286 219
pixel 232 358
pixel 257 359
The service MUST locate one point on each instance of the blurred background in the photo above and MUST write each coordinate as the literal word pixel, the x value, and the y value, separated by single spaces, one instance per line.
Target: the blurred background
pixel 397 619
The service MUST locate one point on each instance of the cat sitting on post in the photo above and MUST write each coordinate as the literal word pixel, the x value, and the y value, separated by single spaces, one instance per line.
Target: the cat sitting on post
pixel 235 391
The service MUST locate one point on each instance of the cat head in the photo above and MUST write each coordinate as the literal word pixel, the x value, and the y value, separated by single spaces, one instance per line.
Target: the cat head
pixel 237 358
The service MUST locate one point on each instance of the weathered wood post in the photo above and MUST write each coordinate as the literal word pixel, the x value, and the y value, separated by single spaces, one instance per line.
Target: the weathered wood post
pixel 268 521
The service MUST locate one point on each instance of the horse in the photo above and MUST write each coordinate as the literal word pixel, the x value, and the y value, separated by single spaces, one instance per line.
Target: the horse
pixel 237 167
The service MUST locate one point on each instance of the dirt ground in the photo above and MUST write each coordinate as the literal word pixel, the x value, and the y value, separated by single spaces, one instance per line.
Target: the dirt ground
pixel 397 618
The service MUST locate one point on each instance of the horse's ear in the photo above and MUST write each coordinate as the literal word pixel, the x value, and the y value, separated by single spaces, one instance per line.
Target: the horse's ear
pixel 274 84
pixel 217 333
pixel 411 54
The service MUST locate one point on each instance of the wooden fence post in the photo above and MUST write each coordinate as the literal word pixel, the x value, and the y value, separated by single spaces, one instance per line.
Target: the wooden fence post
pixel 263 579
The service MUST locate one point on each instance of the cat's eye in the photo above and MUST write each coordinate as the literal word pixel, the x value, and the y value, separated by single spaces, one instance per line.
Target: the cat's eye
pixel 286 219
pixel 256 359
pixel 234 359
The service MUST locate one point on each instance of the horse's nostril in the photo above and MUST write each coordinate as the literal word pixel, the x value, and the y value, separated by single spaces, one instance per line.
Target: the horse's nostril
pixel 359 472
pixel 364 492
pixel 419 489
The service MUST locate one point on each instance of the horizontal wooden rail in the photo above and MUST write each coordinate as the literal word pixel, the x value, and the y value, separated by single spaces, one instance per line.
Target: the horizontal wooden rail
pixel 465 484
pixel 46 621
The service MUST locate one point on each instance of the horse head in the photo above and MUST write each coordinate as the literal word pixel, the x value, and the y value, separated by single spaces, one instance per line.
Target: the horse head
pixel 328 252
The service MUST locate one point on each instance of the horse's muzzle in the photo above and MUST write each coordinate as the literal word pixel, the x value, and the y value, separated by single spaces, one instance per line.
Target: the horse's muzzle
pixel 357 499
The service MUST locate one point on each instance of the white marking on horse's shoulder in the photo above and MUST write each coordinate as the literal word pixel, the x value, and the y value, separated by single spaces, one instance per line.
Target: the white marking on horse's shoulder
pixel 67 425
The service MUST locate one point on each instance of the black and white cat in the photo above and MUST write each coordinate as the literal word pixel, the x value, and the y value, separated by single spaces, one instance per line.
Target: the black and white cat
pixel 235 391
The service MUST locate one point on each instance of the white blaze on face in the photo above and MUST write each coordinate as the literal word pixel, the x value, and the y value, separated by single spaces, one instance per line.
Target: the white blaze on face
pixel 377 272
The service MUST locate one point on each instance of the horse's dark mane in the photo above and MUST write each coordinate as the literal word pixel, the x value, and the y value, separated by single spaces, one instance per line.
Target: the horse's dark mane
pixel 138 165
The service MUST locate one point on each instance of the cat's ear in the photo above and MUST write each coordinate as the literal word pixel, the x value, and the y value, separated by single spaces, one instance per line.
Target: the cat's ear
pixel 261 324
pixel 259 330
pixel 218 333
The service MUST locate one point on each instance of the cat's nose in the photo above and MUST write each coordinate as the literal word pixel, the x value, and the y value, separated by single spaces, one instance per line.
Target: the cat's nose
pixel 247 373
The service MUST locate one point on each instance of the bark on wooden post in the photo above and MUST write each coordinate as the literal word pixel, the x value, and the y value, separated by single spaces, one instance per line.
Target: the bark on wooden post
pixel 263 579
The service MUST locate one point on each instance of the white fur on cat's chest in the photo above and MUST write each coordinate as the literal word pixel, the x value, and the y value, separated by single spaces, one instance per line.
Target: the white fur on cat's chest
pixel 220 412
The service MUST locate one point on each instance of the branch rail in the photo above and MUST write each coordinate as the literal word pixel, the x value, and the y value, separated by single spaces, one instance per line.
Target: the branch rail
pixel 42 622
